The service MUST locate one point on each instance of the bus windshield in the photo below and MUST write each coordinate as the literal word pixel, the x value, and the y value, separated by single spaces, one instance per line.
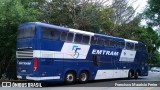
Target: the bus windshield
pixel 26 32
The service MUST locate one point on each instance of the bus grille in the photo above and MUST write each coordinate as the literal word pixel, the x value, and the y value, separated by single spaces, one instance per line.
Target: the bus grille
pixel 24 54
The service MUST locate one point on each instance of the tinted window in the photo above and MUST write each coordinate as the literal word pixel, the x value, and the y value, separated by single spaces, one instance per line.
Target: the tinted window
pixel 112 43
pixel 116 43
pixel 140 47
pixel 107 42
pixel 85 39
pixel 94 40
pixel 26 32
pixel 120 44
pixel 70 37
pixel 78 38
pixel 63 36
pixel 136 47
pixel 129 45
pixel 50 33
pixel 100 41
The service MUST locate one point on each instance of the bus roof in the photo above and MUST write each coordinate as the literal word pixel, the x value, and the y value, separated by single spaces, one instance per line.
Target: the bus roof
pixel 78 31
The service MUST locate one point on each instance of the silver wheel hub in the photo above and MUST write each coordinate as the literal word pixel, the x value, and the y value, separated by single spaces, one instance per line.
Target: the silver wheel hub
pixel 70 77
pixel 83 77
pixel 130 74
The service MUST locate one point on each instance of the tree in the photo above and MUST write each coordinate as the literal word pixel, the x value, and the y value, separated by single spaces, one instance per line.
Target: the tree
pixel 12 14
pixel 129 30
pixel 153 13
pixel 152 42
pixel 78 14
pixel 120 19
pixel 152 16
pixel 107 26
pixel 122 12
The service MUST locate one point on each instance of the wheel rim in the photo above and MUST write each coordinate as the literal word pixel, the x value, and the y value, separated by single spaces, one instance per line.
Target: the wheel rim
pixel 83 77
pixel 137 74
pixel 70 78
pixel 130 74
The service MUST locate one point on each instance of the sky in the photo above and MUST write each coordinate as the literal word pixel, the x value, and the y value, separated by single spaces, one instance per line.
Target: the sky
pixel 138 5
pixel 141 4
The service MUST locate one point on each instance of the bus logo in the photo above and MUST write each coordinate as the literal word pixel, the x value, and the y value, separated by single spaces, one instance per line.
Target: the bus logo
pixel 75 54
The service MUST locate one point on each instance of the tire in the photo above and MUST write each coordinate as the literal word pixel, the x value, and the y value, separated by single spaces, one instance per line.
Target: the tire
pixel 129 75
pixel 136 75
pixel 70 78
pixel 83 77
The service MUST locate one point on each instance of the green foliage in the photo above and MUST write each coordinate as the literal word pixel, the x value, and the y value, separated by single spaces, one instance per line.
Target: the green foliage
pixel 153 12
pixel 107 25
pixel 152 41
pixel 72 13
pixel 12 14
pixel 122 12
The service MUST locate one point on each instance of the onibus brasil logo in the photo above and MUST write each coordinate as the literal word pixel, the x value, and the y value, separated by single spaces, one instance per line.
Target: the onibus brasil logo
pixel 75 49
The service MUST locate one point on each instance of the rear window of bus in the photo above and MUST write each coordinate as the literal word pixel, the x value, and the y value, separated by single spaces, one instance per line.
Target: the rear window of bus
pixel 26 32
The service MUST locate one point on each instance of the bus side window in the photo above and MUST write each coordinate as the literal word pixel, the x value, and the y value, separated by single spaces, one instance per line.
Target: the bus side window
pixel 70 37
pixel 122 44
pixel 45 34
pixel 116 44
pixel 63 36
pixel 112 43
pixel 49 33
pixel 78 38
pixel 129 46
pixel 107 42
pixel 93 40
pixel 85 39
pixel 136 47
pixel 100 42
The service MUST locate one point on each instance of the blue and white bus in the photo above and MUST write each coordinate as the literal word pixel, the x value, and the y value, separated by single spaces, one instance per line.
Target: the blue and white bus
pixel 52 53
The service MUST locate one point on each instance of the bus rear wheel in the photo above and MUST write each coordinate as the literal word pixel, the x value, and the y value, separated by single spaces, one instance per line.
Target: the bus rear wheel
pixel 70 78
pixel 136 75
pixel 83 77
pixel 129 75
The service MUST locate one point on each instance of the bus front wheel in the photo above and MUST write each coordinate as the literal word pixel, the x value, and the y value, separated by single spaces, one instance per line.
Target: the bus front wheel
pixel 83 77
pixel 70 78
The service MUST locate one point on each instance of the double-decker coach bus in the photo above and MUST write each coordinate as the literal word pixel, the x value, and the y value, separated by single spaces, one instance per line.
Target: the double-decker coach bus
pixel 52 53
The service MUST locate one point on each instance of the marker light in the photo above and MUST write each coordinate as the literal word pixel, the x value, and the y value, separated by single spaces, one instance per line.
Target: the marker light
pixel 35 64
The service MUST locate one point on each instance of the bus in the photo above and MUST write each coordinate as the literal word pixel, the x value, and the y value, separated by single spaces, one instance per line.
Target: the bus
pixel 46 52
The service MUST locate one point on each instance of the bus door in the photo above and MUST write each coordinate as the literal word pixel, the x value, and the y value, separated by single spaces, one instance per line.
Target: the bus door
pixel 96 61
pixel 101 73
